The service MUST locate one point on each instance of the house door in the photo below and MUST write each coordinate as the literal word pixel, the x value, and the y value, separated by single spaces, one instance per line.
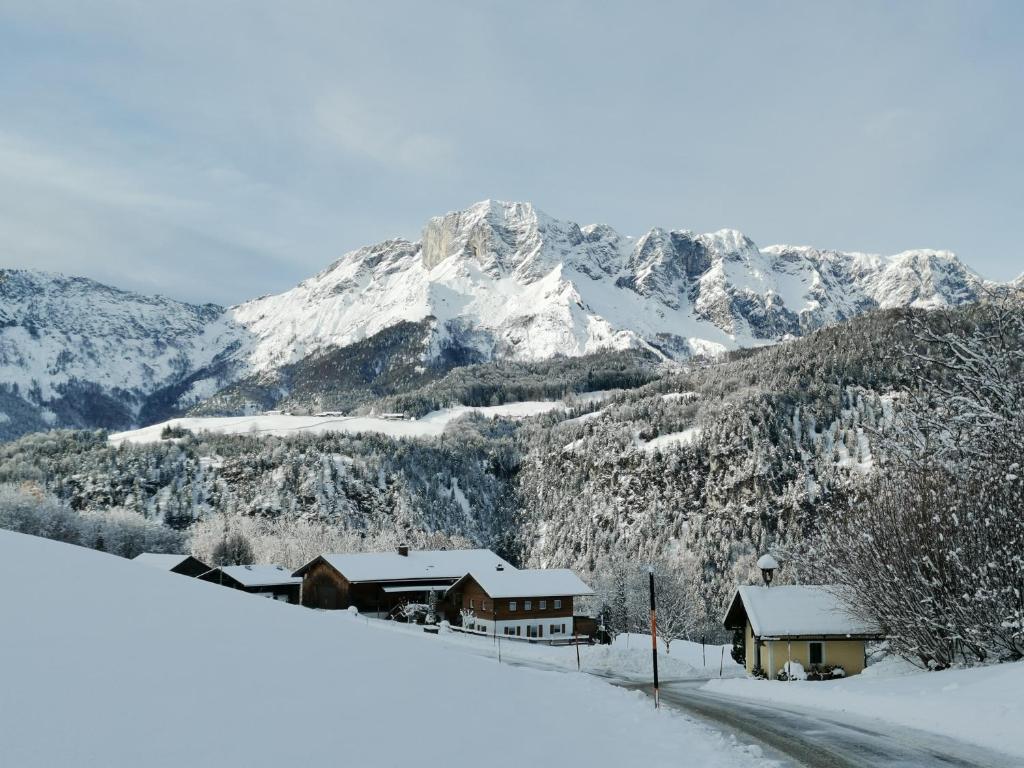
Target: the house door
pixel 328 594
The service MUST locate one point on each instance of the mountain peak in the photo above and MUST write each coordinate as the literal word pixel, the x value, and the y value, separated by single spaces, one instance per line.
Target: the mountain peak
pixel 495 280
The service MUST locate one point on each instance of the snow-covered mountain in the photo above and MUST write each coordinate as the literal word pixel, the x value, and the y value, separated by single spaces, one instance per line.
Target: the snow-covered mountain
pixel 509 281
pixel 497 280
pixel 76 352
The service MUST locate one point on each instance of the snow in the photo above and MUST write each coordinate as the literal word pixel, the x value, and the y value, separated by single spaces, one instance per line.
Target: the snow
pixel 502 278
pixel 535 582
pixel 767 562
pixel 793 610
pixel 982 706
pixel 259 575
pixel 282 425
pixel 418 564
pixel 161 561
pixel 665 442
pixel 628 658
pixel 121 666
pixel 670 396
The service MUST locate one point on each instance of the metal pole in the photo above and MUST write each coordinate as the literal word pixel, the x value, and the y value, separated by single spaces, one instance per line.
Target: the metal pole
pixel 576 637
pixel 721 662
pixel 654 637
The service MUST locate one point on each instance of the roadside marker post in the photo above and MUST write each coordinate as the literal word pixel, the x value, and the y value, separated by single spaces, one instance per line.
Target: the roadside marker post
pixel 654 637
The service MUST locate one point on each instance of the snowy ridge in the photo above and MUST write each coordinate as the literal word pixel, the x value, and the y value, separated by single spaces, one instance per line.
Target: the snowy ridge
pixel 497 280
pixel 511 281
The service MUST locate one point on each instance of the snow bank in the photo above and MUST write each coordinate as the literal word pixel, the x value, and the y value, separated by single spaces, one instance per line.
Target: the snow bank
pixel 982 706
pixel 281 424
pixel 108 663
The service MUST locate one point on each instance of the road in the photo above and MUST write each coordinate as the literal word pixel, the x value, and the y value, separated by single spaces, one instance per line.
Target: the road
pixel 819 739
pixel 811 738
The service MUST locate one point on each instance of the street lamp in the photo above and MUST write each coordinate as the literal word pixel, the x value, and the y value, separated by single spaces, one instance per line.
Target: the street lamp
pixel 767 564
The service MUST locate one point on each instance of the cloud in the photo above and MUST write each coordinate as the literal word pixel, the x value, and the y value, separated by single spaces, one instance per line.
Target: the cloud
pixel 380 134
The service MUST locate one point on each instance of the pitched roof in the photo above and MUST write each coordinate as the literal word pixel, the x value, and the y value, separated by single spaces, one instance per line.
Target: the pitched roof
pixel 164 562
pixel 796 611
pixel 418 564
pixel 536 582
pixel 258 575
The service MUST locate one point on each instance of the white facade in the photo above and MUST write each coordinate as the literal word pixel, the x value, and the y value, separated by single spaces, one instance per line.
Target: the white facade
pixel 527 628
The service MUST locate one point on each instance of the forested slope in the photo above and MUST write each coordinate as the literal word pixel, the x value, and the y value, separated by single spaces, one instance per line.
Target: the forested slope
pixel 705 466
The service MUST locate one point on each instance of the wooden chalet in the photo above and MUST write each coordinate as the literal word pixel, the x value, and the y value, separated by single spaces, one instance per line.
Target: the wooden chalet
pixel 272 581
pixel 535 604
pixel 381 582
pixel 186 565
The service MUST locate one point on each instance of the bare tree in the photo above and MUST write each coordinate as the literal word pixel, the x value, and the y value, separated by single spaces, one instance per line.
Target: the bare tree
pixel 933 547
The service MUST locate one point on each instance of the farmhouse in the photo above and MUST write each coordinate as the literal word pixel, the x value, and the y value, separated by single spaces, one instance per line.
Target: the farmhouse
pixel 183 564
pixel 806 624
pixel 379 582
pixel 535 603
pixel 273 581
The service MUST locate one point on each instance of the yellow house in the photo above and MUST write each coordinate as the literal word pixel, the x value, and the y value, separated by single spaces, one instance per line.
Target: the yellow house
pixel 805 624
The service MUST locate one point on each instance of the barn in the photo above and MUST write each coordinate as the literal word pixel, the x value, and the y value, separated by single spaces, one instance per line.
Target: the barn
pixel 273 581
pixel 186 565
pixel 380 582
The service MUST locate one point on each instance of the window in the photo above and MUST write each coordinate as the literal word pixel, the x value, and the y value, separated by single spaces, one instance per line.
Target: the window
pixel 519 631
pixel 816 653
pixel 563 629
pixel 483 605
pixel 527 605
pixel 543 605
pixel 511 605
pixel 558 604
pixel 554 629
pixel 471 604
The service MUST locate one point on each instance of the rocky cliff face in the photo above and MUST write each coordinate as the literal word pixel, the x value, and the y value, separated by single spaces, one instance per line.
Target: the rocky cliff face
pixel 497 280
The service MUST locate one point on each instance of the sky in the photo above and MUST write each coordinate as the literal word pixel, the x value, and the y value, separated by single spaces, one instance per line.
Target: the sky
pixel 217 151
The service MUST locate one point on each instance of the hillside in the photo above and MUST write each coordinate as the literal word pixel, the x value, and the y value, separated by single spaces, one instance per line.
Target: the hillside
pixel 116 664
pixel 495 282
pixel 705 465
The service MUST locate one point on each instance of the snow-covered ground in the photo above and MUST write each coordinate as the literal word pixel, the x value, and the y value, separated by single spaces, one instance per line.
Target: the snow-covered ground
pixel 629 658
pixel 983 705
pixel 108 663
pixel 279 424
pixel 665 442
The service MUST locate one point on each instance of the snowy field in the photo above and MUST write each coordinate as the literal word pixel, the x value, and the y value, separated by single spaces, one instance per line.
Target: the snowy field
pixel 629 658
pixel 983 706
pixel 431 425
pixel 108 663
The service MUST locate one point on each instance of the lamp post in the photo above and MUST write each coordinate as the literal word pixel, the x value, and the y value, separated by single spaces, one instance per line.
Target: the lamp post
pixel 768 565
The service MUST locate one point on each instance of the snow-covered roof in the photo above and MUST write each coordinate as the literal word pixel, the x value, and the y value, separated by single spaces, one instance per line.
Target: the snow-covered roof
pixel 794 611
pixel 418 564
pixel 537 582
pixel 259 575
pixel 164 562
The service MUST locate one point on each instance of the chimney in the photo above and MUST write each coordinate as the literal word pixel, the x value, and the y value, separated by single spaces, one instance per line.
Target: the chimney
pixel 500 567
pixel 403 550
